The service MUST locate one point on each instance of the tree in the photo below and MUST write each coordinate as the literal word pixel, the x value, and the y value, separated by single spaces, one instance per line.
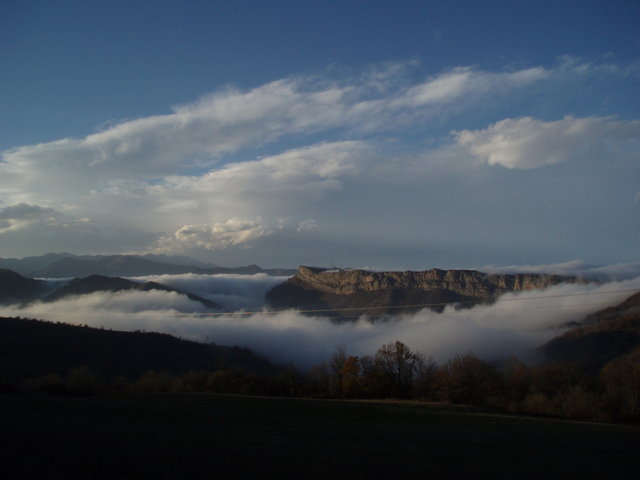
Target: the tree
pixel 336 365
pixel 82 381
pixel 468 379
pixel 397 364
pixel 424 381
pixel 620 381
pixel 351 384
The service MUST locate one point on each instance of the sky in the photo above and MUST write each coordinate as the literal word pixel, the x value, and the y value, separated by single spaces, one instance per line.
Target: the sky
pixel 388 135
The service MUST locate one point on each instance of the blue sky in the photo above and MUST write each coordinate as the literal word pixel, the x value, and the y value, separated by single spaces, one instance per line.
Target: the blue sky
pixel 383 134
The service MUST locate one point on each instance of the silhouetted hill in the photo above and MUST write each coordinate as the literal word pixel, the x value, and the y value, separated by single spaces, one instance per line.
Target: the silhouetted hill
pixel 32 348
pixel 99 283
pixel 602 337
pixel 355 292
pixel 15 288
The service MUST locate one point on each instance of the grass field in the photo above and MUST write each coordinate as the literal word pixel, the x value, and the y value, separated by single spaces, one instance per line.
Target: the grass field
pixel 209 436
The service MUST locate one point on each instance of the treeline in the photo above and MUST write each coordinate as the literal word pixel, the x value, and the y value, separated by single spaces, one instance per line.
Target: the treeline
pixel 564 390
pixel 395 371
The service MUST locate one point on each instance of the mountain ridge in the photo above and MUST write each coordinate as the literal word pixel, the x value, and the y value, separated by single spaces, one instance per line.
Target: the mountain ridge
pixel 355 290
pixel 99 283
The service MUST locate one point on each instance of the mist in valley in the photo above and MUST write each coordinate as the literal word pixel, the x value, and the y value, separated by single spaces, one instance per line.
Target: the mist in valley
pixel 514 324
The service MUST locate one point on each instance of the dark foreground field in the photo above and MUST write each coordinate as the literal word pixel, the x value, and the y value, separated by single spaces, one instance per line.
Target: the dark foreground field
pixel 209 436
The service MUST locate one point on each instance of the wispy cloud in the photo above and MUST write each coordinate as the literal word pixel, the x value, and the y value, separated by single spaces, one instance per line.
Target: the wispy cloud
pixel 197 134
pixel 337 156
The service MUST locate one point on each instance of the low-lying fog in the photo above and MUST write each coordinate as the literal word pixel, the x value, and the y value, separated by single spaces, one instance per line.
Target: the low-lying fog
pixel 512 325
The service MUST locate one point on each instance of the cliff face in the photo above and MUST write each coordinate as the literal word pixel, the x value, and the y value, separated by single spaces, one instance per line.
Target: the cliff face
pixel 314 288
pixel 464 282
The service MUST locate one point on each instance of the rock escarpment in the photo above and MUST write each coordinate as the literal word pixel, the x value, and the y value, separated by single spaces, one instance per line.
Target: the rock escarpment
pixel 355 292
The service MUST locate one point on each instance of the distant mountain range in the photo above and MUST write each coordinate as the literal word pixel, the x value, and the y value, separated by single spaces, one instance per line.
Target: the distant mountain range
pixel 67 265
pixel 16 289
pixel 348 294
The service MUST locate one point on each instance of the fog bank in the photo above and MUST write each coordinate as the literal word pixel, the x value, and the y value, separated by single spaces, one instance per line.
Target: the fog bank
pixel 513 325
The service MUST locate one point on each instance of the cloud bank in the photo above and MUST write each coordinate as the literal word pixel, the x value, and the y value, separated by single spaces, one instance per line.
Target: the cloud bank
pixel 513 325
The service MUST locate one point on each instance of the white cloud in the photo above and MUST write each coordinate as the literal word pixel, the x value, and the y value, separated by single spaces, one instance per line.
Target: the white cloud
pixel 526 143
pixel 516 323
pixel 302 172
pixel 216 236
pixel 198 134
pixel 361 160
pixel 306 225
pixel 464 82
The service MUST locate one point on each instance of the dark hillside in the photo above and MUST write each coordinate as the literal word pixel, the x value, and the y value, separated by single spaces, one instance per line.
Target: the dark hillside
pixel 15 288
pixel 608 334
pixel 32 348
pixel 99 283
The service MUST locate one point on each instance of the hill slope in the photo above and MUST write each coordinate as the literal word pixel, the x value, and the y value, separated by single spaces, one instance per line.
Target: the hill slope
pixel 15 288
pixel 32 348
pixel 604 336
pixel 99 283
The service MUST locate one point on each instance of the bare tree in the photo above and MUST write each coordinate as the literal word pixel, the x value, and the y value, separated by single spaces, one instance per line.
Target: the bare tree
pixel 398 365
pixel 336 370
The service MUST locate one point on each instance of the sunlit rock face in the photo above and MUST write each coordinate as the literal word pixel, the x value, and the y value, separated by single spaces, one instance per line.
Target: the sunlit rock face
pixel 359 292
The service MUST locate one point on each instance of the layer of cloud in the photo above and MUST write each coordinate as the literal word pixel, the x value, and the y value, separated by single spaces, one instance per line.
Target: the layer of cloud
pixel 525 143
pixel 512 326
pixel 231 291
